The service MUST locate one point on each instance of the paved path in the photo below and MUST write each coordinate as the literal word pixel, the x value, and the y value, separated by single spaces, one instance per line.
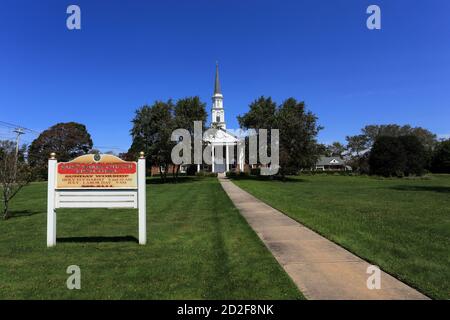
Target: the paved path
pixel 320 268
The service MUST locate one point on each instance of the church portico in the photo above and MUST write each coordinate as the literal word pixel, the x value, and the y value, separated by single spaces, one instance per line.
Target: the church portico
pixel 223 157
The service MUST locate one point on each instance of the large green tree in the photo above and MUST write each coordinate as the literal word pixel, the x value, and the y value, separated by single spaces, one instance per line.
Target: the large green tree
pixel 153 126
pixel 298 136
pixel 372 132
pixel 262 114
pixel 441 157
pixel 416 155
pixel 369 134
pixel 186 112
pixel 388 157
pixel 298 130
pixel 68 140
pixel 398 156
pixel 151 133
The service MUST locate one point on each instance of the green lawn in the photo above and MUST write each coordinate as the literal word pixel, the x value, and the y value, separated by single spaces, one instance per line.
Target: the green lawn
pixel 402 225
pixel 199 247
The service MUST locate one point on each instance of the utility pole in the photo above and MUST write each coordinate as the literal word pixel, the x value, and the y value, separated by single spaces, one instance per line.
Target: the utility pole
pixel 18 131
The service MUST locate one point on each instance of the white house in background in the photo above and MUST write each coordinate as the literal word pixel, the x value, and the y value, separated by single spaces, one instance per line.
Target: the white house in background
pixel 227 158
pixel 332 164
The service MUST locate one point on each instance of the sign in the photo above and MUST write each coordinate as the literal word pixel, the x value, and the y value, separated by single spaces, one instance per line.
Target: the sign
pixel 96 181
pixel 105 171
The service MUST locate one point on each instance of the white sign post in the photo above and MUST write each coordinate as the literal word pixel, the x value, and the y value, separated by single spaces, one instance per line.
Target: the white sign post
pixel 96 181
pixel 142 200
pixel 51 213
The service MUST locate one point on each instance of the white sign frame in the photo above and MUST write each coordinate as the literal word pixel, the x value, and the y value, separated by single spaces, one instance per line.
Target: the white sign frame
pixel 133 198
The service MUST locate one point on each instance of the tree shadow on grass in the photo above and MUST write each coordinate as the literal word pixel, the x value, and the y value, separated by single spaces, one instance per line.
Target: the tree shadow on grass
pixel 439 189
pixel 169 180
pixel 97 239
pixel 21 213
pixel 269 178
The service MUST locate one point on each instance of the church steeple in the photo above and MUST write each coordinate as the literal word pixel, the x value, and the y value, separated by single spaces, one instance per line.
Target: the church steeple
pixel 217 112
pixel 217 83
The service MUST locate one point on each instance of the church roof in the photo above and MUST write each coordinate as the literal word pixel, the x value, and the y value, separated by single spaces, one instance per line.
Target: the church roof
pixel 220 135
pixel 324 161
pixel 217 83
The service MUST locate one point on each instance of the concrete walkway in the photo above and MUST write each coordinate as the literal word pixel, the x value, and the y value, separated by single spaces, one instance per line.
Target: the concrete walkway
pixel 320 268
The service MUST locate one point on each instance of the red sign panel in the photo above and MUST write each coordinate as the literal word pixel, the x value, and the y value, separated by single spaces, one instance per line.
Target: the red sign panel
pixel 96 168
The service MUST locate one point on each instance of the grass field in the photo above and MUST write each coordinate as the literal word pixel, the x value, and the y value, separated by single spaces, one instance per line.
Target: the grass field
pixel 402 225
pixel 199 247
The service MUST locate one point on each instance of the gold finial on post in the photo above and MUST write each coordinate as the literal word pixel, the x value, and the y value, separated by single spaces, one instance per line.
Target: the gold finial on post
pixel 53 156
pixel 141 155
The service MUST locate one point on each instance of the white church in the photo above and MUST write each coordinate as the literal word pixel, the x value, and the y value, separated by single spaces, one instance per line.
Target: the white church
pixel 224 151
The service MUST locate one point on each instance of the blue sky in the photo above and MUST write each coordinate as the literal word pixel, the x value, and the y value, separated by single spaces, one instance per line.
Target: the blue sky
pixel 129 53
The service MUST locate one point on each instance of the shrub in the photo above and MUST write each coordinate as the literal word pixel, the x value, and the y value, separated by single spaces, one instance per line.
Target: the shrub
pixel 231 174
pixel 235 174
pixel 191 170
pixel 206 174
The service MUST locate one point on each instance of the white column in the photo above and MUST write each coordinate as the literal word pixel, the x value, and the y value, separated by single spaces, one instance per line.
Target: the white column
pixel 51 214
pixel 198 167
pixel 241 159
pixel 212 156
pixel 142 200
pixel 227 157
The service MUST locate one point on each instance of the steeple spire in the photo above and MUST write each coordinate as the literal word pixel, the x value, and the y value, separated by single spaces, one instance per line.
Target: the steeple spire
pixel 217 83
pixel 217 112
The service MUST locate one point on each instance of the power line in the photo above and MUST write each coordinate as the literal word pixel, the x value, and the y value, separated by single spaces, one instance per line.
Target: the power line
pixel 17 127
pixel 106 147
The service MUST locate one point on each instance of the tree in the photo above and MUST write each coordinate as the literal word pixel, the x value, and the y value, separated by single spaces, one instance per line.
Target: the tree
pixel 298 130
pixel 336 149
pixel 323 149
pixel 262 115
pixel 440 162
pixel 151 133
pixel 68 140
pixel 298 133
pixel 372 132
pixel 387 157
pixel 153 126
pixel 14 173
pixel 357 144
pixel 416 156
pixel 187 111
